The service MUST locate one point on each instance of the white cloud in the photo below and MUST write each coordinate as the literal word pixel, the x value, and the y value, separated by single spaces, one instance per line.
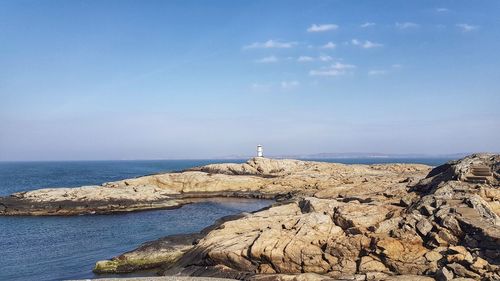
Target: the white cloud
pixel 396 65
pixel 305 59
pixel 326 72
pixel 339 65
pixel 376 72
pixel 406 25
pixel 369 45
pixel 467 27
pixel 442 10
pixel 329 45
pixel 288 85
pixel 270 44
pixel 366 45
pixel 325 58
pixel 270 59
pixel 367 24
pixel 322 27
pixel 274 86
pixel 336 69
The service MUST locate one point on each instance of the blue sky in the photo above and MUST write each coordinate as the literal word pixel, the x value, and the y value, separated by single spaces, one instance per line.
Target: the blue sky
pixel 198 79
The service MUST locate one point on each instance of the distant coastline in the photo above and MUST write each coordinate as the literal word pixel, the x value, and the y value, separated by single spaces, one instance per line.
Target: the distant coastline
pixel 354 155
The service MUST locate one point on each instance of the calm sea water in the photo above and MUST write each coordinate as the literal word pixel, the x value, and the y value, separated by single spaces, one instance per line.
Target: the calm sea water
pixel 57 248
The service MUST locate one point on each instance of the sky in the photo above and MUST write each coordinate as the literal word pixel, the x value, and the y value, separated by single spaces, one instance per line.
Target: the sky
pixel 95 80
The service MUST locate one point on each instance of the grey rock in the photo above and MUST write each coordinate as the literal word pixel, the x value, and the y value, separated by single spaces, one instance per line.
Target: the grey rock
pixel 424 227
pixel 427 210
pixel 452 225
pixel 461 271
pixel 443 274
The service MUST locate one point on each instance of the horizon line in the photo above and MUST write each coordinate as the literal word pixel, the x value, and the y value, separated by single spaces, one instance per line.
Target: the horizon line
pixel 311 156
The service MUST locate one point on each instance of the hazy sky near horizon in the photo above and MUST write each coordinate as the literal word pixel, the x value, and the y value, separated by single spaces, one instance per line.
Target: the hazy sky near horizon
pixel 199 79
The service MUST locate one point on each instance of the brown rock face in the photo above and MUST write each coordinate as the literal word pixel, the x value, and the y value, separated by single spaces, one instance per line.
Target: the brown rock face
pixel 345 222
pixel 259 177
pixel 449 230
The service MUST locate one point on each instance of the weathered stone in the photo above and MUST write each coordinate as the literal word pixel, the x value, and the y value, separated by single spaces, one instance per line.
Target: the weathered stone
pixel 452 225
pixel 443 274
pixel 388 225
pixel 461 271
pixel 447 236
pixel 353 277
pixel 433 256
pixel 150 255
pixel 369 264
pixel 408 199
pixel 442 212
pixel 435 241
pixel 459 254
pixel 359 215
pixel 375 276
pixel 405 256
pixel 479 264
pixel 408 278
pixel 423 227
pixel 427 210
pixel 343 252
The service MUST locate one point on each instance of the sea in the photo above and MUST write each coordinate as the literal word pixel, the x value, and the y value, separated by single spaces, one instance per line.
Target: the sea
pixel 61 248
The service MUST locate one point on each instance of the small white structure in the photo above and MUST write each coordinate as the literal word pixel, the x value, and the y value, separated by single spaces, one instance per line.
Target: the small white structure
pixel 260 151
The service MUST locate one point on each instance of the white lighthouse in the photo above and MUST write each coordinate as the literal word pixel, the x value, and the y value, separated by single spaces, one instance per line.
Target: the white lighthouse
pixel 260 151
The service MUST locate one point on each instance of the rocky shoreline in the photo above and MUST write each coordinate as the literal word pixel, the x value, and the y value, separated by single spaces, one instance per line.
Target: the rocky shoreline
pixel 335 222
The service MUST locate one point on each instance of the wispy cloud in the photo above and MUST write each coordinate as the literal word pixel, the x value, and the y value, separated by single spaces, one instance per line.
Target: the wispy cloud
pixel 376 72
pixel 288 85
pixel 269 44
pixel 336 69
pixel 467 27
pixel 323 58
pixel 322 27
pixel 274 86
pixel 442 10
pixel 270 59
pixel 339 65
pixel 367 24
pixel 396 65
pixel 369 45
pixel 406 25
pixel 329 45
pixel 366 45
pixel 305 59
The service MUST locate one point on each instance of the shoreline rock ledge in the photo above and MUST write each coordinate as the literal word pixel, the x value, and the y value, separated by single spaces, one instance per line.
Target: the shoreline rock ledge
pixel 339 222
pixel 257 178
pixel 442 226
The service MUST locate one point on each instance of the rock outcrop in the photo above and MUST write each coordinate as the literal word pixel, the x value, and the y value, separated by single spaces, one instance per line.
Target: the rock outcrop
pixel 450 229
pixel 340 222
pixel 258 178
pixel 150 255
pixel 439 227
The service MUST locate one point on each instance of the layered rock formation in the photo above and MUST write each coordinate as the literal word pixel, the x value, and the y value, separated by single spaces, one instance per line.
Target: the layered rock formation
pixel 259 177
pixel 340 222
pixel 441 227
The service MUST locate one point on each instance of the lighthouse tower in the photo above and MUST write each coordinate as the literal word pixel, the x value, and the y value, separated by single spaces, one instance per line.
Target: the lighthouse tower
pixel 260 151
